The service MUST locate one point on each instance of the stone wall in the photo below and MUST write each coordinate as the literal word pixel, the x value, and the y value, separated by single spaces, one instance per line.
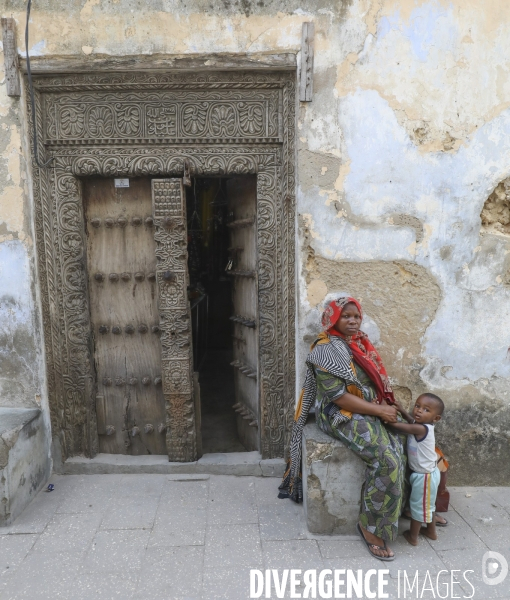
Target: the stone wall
pixel 404 145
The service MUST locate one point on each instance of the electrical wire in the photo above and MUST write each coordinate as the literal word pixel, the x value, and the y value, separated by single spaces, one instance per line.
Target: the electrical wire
pixel 31 93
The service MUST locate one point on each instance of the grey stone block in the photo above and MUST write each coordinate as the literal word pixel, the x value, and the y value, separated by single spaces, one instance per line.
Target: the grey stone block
pixel 112 551
pixel 13 549
pixel 226 583
pixel 471 559
pixel 36 516
pixel 335 549
pixel 283 521
pixel 184 495
pixel 104 586
pixel 24 460
pixel 179 527
pixel 68 533
pixel 171 573
pixel 232 501
pixel 272 467
pixel 44 575
pixel 135 503
pixel 266 490
pixel 292 554
pixel 332 480
pixel 231 546
pixel 89 494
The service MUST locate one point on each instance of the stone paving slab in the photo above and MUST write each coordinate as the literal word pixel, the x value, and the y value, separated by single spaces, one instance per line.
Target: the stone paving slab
pixel 171 573
pixel 292 554
pixel 196 537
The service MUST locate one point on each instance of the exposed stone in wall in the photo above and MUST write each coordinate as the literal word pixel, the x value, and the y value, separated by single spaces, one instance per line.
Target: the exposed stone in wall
pixel 401 220
pixel 476 438
pixel 496 210
pixel 317 169
pixel 400 296
pixel 490 265
pixel 403 395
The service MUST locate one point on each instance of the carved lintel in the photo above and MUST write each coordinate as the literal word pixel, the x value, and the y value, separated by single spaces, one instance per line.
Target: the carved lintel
pixel 306 74
pixel 11 61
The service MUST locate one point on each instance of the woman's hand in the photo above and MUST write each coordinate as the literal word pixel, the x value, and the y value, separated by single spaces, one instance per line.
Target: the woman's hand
pixel 388 414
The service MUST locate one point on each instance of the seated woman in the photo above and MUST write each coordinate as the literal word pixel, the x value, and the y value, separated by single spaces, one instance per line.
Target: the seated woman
pixel 353 398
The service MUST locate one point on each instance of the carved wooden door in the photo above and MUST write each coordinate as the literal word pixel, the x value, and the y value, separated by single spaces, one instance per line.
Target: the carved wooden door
pixel 182 405
pixel 138 280
pixel 123 293
pixel 242 268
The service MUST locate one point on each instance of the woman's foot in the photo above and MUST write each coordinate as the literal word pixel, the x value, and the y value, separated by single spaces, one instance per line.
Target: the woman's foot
pixel 377 546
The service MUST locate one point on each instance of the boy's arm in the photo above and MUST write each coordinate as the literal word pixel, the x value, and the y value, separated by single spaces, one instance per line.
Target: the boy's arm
pixel 410 428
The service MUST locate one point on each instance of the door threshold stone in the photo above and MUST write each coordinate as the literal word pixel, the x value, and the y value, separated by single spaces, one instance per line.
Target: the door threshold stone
pixel 231 463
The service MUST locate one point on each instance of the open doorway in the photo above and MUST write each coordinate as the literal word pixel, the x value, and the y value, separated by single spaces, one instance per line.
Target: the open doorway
pixel 221 219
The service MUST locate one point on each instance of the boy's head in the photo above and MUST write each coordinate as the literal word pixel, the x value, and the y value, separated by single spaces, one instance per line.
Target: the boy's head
pixel 428 409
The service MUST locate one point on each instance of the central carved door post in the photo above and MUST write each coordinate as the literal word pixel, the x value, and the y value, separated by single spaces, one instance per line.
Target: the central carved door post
pixel 170 234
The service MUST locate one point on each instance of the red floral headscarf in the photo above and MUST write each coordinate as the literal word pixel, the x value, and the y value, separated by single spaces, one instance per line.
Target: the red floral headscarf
pixel 363 352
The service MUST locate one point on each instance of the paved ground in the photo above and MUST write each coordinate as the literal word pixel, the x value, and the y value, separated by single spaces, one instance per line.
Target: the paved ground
pixel 174 537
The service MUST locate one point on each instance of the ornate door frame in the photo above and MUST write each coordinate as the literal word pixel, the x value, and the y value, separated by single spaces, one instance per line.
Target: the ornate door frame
pixel 149 124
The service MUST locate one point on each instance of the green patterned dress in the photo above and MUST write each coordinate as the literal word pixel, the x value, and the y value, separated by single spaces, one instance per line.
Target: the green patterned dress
pixel 382 451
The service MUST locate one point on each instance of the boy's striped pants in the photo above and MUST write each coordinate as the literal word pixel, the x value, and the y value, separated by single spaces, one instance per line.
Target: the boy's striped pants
pixel 423 495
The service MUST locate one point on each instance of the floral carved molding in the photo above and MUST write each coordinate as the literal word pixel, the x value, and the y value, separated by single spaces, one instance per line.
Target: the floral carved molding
pixel 139 124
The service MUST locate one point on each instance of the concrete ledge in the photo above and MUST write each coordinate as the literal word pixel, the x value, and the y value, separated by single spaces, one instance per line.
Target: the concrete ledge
pixel 232 463
pixel 24 460
pixel 332 480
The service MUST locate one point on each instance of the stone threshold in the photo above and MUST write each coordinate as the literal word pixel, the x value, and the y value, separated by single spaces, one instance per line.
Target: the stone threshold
pixel 231 463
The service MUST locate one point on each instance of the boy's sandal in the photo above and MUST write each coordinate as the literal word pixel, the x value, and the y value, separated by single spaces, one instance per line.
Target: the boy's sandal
pixel 374 546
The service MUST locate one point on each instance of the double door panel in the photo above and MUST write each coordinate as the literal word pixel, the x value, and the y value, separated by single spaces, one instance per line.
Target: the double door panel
pixel 123 293
pixel 140 315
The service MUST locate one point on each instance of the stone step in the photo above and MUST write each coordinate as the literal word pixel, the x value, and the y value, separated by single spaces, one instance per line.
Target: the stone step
pixel 24 460
pixel 232 463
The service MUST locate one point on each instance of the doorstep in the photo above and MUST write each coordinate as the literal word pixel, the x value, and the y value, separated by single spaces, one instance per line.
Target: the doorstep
pixel 231 463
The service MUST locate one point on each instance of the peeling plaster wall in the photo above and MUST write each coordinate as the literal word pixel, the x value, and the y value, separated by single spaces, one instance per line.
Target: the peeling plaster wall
pixel 22 372
pixel 407 136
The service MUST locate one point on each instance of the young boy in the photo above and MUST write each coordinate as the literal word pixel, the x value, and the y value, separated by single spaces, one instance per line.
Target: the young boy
pixel 421 452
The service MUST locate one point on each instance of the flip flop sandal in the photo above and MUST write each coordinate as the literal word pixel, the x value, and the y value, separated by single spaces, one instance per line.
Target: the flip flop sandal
pixel 438 524
pixel 369 546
